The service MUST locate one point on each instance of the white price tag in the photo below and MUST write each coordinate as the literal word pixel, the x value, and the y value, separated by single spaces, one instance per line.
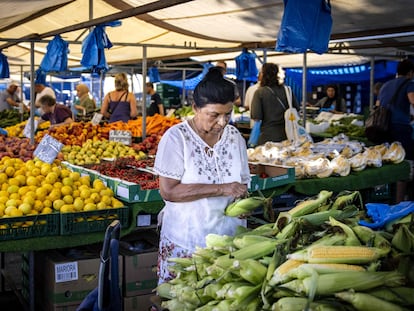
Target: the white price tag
pixel 27 128
pixel 124 137
pixel 97 117
pixel 48 149
pixel 122 191
pixel 65 272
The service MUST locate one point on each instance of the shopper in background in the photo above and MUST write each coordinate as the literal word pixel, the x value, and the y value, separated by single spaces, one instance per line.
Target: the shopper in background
pixel 202 167
pixel 120 104
pixel 9 98
pixel 332 102
pixel 400 127
pixel 84 104
pixel 41 90
pixel 57 114
pixel 248 97
pixel 269 105
pixel 156 105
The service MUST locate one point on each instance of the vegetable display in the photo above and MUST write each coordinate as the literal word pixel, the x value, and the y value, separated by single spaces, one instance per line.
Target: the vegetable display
pixel 317 256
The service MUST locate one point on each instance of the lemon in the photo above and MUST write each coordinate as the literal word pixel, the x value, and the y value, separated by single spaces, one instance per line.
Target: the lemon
pixel 13 181
pixel 51 178
pixel 101 205
pixel 89 207
pixel 28 200
pixel 25 208
pixel 76 193
pixel 8 210
pixel 3 178
pixel 75 176
pixel 57 204
pixel 95 197
pixel 88 200
pixel 116 203
pixel 98 184
pixel 21 179
pixel 3 199
pixel 85 180
pixel 48 187
pixel 78 204
pixel 41 193
pixel 45 169
pixel 67 208
pixel 15 196
pixel 66 190
pixel 32 181
pixel 38 206
pixel 13 189
pixel 9 171
pixel 85 193
pixel 35 172
pixel 64 173
pixel 23 190
pixel 47 203
pixel 68 199
pixel 47 210
pixel 106 199
pixel 54 195
pixel 16 213
pixel 57 184
pixel 107 192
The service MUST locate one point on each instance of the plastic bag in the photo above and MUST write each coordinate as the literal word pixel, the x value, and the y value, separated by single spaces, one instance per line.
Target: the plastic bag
pixel 295 133
pixel 254 134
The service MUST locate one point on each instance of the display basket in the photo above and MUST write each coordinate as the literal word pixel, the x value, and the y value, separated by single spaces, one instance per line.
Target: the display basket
pixel 23 227
pixel 92 221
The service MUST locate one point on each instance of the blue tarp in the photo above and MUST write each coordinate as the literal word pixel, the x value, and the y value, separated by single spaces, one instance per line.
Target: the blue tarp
pixel 306 25
pixel 190 84
pixel 246 66
pixel 4 66
pixel 93 54
pixel 56 57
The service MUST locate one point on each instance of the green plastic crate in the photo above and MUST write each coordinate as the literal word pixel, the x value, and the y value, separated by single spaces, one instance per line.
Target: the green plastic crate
pixel 13 228
pixel 92 221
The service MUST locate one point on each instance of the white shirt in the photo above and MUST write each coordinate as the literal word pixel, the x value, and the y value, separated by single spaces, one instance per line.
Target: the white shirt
pixel 181 155
pixel 46 91
pixel 248 98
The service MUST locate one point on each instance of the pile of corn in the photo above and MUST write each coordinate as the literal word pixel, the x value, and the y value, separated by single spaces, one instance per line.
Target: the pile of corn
pixel 314 257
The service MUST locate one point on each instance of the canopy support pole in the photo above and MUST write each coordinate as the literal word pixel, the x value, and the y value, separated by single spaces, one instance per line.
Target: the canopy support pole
pixel 304 79
pixel 144 92
pixel 371 84
pixel 183 93
pixel 32 93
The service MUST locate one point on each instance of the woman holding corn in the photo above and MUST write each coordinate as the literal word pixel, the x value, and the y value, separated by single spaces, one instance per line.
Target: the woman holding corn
pixel 202 167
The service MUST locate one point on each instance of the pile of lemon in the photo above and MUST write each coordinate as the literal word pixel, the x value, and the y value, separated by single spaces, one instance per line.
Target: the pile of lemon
pixel 35 187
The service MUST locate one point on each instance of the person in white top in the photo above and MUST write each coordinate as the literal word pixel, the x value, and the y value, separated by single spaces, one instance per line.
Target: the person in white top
pixel 202 167
pixel 248 97
pixel 41 90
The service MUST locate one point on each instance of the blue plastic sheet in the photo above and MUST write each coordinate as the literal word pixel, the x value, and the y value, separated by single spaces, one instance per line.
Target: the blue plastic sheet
pixel 381 213
pixel 154 74
pixel 246 66
pixel 306 25
pixel 56 57
pixel 93 48
pixel 4 66
pixel 190 84
pixel 40 77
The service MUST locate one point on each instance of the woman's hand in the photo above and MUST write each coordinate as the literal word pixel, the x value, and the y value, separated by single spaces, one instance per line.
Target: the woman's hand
pixel 234 189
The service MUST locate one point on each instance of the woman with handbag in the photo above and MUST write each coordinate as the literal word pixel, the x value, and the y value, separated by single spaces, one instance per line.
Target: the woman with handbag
pixel 120 104
pixel 398 95
pixel 269 105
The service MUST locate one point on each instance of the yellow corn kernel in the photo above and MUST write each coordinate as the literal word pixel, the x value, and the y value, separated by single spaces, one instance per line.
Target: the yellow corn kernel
pixel 342 254
pixel 280 275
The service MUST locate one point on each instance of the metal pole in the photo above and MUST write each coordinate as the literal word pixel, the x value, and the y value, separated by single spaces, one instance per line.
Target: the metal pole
pixel 304 79
pixel 32 93
pixel 22 104
pixel 371 84
pixel 183 94
pixel 144 92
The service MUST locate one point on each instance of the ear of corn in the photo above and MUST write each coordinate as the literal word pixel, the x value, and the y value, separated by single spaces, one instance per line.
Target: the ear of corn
pixel 247 240
pixel 256 251
pixel 363 301
pixel 319 218
pixel 403 239
pixel 351 238
pixel 252 271
pixel 372 238
pixel 244 206
pixel 280 275
pixel 346 199
pixel 300 304
pixel 342 254
pixel 401 295
pixel 328 284
pixel 304 270
pixel 311 205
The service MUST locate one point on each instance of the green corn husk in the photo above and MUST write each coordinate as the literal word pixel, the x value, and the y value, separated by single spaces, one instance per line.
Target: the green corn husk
pixel 343 200
pixel 403 239
pixel 219 242
pixel 165 290
pixel 300 304
pixel 403 296
pixel 351 238
pixel 247 240
pixel 211 290
pixel 372 238
pixel 252 271
pixel 244 206
pixel 389 227
pixel 310 205
pixel 366 302
pixel 176 305
pixel 320 218
pixel 328 284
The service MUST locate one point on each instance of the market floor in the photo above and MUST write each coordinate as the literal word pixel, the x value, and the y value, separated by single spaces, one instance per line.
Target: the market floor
pixel 9 301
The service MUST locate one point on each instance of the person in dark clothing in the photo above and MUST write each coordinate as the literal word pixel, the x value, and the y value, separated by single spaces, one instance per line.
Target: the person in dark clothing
pixel 57 114
pixel 156 105
pixel 332 102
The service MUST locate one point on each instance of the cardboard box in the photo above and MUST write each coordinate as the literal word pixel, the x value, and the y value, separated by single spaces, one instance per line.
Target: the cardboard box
pixel 65 277
pixel 138 303
pixel 278 175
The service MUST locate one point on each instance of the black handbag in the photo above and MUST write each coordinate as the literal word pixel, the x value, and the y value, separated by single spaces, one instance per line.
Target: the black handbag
pixel 377 124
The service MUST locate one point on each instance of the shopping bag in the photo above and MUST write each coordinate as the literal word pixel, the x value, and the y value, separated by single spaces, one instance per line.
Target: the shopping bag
pixel 254 134
pixel 295 133
pixel 377 125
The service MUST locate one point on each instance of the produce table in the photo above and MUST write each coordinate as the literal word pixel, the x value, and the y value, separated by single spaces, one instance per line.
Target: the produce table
pixel 368 178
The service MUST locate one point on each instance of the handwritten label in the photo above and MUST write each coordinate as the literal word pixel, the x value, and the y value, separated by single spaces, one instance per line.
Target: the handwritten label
pixel 97 117
pixel 27 131
pixel 48 149
pixel 122 191
pixel 124 137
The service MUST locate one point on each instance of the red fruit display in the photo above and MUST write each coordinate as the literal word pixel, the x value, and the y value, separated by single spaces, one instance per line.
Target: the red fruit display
pixel 16 147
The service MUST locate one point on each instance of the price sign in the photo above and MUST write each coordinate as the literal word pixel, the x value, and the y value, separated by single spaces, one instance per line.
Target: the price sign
pixel 48 149
pixel 124 137
pixel 27 131
pixel 97 117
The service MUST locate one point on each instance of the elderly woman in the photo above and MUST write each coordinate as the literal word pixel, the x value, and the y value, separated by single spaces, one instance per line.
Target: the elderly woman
pixel 84 104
